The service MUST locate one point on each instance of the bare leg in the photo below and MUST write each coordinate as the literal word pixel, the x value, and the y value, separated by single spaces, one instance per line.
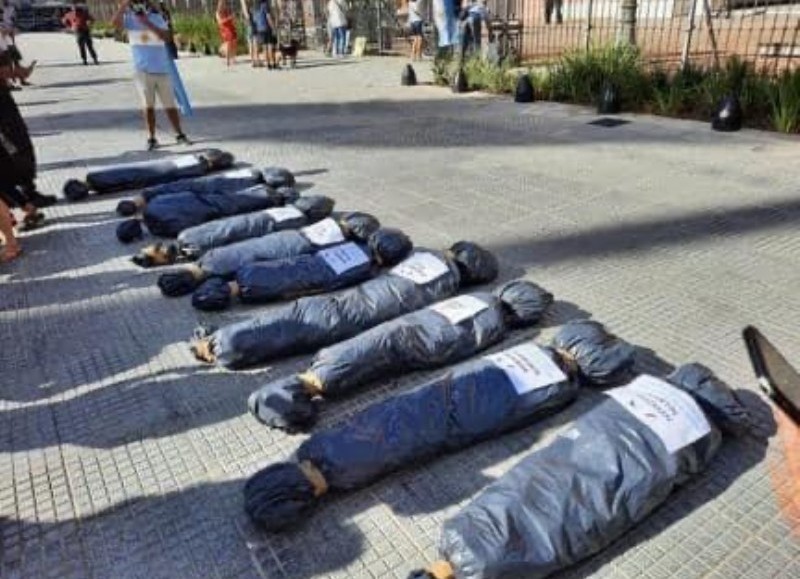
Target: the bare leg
pixel 174 119
pixel 12 248
pixel 150 121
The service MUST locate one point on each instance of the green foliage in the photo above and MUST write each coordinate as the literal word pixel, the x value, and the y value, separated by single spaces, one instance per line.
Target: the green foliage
pixel 784 99
pixel 201 32
pixel 580 75
pixel 768 102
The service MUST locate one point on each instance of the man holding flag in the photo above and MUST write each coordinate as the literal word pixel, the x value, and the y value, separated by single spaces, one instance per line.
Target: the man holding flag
pixel 155 72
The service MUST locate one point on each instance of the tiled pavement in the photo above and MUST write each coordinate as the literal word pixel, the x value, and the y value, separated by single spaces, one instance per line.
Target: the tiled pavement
pixel 121 458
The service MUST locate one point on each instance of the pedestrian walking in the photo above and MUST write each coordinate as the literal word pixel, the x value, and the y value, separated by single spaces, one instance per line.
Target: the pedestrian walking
pixel 148 34
pixel 415 22
pixel 80 21
pixel 337 23
pixel 226 23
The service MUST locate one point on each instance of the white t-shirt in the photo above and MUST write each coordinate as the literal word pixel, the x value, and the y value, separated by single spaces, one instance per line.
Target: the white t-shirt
pixel 337 13
pixel 415 9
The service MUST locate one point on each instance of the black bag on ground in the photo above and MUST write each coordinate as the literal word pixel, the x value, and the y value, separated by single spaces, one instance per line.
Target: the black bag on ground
pixel 728 116
pixel 470 403
pixel 224 182
pixel 327 270
pixel 619 462
pixel 408 76
pixel 152 172
pixel 168 215
pixel 524 90
pixel 195 241
pixel 313 322
pixel 609 102
pixel 225 261
pixel 435 336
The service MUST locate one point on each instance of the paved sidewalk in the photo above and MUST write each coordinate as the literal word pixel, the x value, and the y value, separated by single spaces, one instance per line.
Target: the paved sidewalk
pixel 120 457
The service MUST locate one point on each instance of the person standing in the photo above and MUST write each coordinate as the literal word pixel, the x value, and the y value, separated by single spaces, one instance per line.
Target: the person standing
pixel 337 22
pixel 415 22
pixel 17 162
pixel 227 31
pixel 80 22
pixel 551 6
pixel 148 34
pixel 265 32
pixel 253 37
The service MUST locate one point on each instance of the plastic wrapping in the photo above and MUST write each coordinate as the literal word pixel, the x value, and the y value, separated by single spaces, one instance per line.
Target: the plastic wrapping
pixel 196 240
pixel 216 183
pixel 278 177
pixel 168 215
pixel 225 261
pixel 619 461
pixel 472 402
pixel 441 334
pixel 336 267
pixel 310 323
pixel 152 172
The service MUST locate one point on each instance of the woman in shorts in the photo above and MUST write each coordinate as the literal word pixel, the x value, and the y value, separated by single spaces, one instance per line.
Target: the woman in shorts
pixel 415 20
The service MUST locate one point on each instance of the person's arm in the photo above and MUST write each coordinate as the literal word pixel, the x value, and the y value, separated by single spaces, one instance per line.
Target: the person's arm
pixel 117 21
pixel 162 33
pixel 66 22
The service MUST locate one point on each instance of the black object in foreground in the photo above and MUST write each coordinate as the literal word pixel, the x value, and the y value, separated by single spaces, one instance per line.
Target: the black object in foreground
pixel 524 92
pixel 594 482
pixel 146 173
pixel 776 377
pixel 443 333
pixel 472 402
pixel 728 116
pixel 310 323
pixel 408 77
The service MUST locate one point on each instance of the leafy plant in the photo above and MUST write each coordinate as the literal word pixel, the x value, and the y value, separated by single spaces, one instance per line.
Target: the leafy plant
pixel 785 102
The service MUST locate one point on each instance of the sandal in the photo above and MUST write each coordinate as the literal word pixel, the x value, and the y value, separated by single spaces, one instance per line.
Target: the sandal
pixel 32 221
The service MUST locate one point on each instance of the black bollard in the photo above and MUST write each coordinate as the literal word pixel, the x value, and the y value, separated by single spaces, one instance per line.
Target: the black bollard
pixel 609 102
pixel 728 116
pixel 409 77
pixel 459 82
pixel 524 92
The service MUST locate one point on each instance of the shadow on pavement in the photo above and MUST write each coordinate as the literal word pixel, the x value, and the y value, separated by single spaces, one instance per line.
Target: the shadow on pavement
pixel 192 532
pixel 80 83
pixel 459 123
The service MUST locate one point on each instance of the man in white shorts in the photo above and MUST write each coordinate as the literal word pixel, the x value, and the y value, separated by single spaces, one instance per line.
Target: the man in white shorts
pixel 148 34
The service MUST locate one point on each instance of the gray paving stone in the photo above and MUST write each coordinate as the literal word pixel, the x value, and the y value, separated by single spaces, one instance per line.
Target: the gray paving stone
pixel 125 459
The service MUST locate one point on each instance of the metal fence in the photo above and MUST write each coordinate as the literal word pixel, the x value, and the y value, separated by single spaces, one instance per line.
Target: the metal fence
pixel 668 32
pixel 700 32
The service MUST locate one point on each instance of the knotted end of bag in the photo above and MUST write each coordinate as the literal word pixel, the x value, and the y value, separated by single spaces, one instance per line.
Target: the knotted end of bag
pixel 437 570
pixel 567 361
pixel 203 350
pixel 312 383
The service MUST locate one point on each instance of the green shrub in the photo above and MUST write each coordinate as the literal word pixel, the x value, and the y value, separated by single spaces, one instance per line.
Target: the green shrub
pixel 784 98
pixel 580 75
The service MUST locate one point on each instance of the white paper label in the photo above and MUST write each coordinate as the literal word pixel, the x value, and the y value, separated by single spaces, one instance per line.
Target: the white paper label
pixel 459 308
pixel 342 258
pixel 281 214
pixel 325 232
pixel 421 268
pixel 184 161
pixel 528 366
pixel 238 174
pixel 670 413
